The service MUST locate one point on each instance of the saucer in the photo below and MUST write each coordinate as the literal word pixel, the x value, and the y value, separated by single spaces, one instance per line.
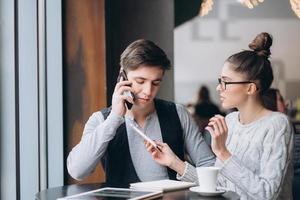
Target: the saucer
pixel 206 193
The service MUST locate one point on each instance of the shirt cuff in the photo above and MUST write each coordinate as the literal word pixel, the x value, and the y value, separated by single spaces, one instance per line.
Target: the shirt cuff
pixel 220 163
pixel 189 174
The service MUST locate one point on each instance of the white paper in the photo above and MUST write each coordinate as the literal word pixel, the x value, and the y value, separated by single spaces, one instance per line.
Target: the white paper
pixel 162 185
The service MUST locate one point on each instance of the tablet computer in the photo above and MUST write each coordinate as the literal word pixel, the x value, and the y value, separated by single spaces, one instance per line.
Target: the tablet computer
pixel 107 193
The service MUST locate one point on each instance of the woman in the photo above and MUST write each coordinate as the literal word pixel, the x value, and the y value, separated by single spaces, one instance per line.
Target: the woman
pixel 253 145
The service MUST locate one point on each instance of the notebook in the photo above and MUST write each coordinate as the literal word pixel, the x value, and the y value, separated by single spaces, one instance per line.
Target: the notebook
pixel 162 185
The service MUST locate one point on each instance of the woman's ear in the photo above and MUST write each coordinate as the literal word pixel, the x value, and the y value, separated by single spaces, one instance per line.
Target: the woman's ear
pixel 252 88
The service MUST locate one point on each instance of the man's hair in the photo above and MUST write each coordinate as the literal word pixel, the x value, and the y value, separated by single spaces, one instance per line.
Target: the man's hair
pixel 144 52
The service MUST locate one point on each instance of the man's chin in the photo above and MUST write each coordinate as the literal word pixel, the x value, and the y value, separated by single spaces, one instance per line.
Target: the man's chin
pixel 143 102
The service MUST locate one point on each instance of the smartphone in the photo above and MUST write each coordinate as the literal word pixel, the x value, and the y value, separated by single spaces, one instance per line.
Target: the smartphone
pixel 145 137
pixel 123 77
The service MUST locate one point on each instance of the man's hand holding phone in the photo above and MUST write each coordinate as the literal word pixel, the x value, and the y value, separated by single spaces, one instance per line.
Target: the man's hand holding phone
pixel 165 156
pixel 119 97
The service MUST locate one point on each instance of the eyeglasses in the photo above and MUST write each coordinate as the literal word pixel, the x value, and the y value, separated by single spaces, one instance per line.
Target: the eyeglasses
pixel 225 83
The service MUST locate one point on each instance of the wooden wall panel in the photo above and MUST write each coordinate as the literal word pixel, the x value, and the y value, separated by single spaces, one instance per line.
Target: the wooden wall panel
pixel 129 20
pixel 84 71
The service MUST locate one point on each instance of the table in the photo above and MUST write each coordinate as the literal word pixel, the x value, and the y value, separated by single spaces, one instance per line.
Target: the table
pixel 57 192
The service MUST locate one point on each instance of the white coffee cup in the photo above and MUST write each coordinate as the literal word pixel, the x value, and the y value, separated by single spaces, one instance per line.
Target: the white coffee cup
pixel 207 177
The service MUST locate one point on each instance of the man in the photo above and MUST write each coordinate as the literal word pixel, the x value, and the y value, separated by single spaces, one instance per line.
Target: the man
pixel 107 136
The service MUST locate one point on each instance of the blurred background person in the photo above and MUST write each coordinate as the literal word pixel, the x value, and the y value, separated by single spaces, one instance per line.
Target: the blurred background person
pixel 204 109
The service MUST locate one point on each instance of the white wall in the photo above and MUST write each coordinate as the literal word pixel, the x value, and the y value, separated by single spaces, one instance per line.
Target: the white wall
pixel 202 45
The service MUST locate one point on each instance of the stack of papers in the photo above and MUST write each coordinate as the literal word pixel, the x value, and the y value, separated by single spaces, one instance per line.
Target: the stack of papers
pixel 161 185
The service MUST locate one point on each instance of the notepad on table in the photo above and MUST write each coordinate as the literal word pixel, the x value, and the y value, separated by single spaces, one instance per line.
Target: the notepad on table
pixel 161 185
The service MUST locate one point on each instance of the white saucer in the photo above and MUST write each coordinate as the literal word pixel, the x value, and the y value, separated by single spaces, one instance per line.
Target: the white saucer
pixel 206 193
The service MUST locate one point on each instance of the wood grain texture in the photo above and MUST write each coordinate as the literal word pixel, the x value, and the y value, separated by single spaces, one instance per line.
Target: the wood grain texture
pixel 84 71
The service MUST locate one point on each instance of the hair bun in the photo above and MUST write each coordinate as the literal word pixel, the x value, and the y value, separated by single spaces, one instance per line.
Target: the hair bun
pixel 261 44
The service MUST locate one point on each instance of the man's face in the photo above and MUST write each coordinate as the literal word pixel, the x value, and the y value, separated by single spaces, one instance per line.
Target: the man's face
pixel 145 83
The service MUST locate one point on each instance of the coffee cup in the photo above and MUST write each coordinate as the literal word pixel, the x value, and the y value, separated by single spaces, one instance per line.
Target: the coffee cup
pixel 207 178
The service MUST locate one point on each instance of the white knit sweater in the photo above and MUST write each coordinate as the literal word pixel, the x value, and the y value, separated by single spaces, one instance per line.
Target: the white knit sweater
pixel 261 163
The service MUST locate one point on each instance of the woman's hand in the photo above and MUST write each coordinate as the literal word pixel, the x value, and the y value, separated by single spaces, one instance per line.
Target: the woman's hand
pixel 166 156
pixel 118 98
pixel 218 130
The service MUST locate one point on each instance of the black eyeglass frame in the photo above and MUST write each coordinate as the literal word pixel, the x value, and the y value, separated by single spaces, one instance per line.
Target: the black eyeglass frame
pixel 232 82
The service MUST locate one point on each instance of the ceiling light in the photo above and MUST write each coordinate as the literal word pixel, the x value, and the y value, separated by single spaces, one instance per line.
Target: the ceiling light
pixel 206 5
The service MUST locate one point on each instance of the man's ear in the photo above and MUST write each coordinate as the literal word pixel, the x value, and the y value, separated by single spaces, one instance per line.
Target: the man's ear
pixel 252 88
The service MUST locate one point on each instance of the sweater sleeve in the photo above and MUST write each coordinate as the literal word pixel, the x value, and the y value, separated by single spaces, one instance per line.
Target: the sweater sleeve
pixel 189 175
pixel 266 182
pixel 97 133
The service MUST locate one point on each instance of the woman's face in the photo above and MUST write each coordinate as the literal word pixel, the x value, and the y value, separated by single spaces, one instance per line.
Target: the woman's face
pixel 232 94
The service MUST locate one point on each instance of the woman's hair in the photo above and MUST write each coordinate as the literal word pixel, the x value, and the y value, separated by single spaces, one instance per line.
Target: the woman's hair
pixel 269 99
pixel 255 63
pixel 144 52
